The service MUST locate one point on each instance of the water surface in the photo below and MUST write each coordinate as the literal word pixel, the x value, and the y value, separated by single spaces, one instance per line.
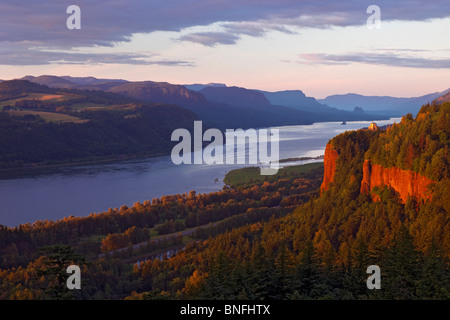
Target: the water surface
pixel 54 193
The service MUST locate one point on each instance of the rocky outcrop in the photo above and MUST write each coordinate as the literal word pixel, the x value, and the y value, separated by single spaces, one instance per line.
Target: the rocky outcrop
pixel 160 92
pixel 238 97
pixel 405 182
pixel 329 161
pixel 444 98
pixel 365 183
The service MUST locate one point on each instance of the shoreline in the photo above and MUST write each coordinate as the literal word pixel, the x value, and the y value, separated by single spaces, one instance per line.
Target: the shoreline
pixel 73 199
pixel 124 158
pixel 301 159
pixel 107 160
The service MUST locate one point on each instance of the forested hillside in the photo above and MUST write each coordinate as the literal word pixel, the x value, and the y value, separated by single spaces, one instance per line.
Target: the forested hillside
pixel 143 130
pixel 322 250
pixel 277 239
pixel 419 144
pixel 36 126
pixel 63 125
pixel 111 242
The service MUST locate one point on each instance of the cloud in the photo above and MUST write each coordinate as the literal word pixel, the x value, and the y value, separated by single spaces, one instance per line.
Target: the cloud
pixel 256 28
pixel 105 22
pixel 210 38
pixel 42 23
pixel 232 32
pixel 23 55
pixel 386 59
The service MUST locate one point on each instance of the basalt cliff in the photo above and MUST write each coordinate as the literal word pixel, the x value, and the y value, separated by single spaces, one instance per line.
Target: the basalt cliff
pixel 409 157
pixel 330 157
pixel 405 182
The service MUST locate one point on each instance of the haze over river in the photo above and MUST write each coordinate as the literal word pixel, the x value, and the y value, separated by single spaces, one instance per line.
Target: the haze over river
pixel 54 193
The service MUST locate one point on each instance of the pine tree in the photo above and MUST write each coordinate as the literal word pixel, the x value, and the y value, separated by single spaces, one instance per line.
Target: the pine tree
pixel 435 279
pixel 281 279
pixel 308 272
pixel 354 279
pixel 401 268
pixel 219 284
pixel 57 259
pixel 261 275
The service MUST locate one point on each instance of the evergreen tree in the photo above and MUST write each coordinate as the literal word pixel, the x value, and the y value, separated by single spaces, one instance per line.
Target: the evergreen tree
pixel 307 273
pixel 219 284
pixel 261 276
pixel 401 268
pixel 56 260
pixel 435 279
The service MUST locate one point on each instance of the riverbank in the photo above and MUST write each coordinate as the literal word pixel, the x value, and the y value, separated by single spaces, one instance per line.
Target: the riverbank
pixel 55 192
pixel 7 173
pixel 251 175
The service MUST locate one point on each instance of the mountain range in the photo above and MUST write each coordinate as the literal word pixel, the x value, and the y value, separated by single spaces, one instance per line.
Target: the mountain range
pixel 217 104
pixel 444 98
pixel 384 202
pixel 40 125
pixel 222 106
pixel 391 106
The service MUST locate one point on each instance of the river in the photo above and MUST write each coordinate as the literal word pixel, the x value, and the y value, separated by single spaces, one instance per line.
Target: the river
pixel 54 193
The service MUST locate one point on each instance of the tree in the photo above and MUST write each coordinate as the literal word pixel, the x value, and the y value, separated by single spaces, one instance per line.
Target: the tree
pixel 220 282
pixel 54 265
pixel 308 270
pixel 435 279
pixel 260 274
pixel 401 267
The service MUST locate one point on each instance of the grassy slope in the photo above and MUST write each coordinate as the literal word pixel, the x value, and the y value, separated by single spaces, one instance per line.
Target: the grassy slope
pixel 48 116
pixel 252 175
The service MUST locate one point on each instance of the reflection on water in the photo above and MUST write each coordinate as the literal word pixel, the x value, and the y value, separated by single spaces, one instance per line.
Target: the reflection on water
pixel 135 165
pixel 54 193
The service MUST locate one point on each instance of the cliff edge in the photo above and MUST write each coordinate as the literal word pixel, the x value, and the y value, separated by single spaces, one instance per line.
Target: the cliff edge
pixel 405 182
pixel 329 161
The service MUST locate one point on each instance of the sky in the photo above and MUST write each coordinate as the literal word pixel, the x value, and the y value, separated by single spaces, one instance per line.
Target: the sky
pixel 319 47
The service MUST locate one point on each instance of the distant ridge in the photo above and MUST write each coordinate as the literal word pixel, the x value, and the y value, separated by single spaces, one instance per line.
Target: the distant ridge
pixel 224 106
pixel 91 80
pixel 219 106
pixel 198 87
pixel 67 82
pixel 392 106
pixel 50 81
pixel 295 99
pixel 160 92
pixel 443 98
pixel 237 96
